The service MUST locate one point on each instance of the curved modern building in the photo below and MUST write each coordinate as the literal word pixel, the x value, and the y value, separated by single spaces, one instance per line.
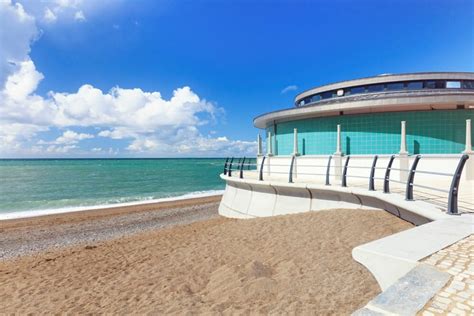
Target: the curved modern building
pixel 434 107
pixel 399 143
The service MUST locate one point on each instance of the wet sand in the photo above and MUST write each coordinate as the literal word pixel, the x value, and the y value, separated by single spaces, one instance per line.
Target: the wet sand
pixel 298 264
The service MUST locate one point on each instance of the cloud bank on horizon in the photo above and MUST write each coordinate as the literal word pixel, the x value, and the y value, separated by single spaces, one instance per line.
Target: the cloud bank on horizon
pixel 148 124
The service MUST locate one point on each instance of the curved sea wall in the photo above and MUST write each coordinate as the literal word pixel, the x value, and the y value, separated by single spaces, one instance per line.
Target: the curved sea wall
pixel 248 198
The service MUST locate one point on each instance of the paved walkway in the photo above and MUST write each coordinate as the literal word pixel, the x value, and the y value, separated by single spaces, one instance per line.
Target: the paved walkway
pixel 457 297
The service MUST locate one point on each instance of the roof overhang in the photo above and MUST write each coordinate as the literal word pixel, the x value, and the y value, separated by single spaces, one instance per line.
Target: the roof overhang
pixel 387 78
pixel 446 99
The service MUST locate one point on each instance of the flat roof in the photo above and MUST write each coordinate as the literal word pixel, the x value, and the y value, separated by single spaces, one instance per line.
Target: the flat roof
pixel 386 78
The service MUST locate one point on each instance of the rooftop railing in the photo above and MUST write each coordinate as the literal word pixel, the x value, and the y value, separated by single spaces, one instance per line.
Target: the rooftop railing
pixel 233 165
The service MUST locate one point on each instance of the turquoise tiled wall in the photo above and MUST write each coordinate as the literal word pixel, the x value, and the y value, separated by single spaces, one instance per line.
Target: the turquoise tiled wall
pixel 428 132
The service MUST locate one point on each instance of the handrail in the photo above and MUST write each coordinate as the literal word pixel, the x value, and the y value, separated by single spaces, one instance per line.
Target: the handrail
pixel 411 178
pixel 242 169
pixel 260 177
pixel 435 173
pixel 328 170
pixel 454 188
pixel 452 207
pixel 430 188
pixel 290 176
pixel 386 183
pixel 225 165
pixel 344 172
pixel 230 167
pixel 372 174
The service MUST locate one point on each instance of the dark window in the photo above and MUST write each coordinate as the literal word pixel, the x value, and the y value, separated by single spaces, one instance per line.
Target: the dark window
pixel 315 98
pixel 327 95
pixel 434 84
pixel 468 84
pixel 357 90
pixel 395 86
pixel 376 87
pixel 414 85
pixel 453 84
pixel 429 84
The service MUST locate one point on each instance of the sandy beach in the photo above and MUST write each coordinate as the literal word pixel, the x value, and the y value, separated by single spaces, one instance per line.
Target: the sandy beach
pixel 181 257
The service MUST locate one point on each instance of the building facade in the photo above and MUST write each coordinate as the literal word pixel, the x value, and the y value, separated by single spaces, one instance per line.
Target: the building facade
pixel 434 106
pixel 401 143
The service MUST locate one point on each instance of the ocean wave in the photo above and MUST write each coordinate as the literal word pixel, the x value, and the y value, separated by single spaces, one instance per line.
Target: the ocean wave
pixel 114 203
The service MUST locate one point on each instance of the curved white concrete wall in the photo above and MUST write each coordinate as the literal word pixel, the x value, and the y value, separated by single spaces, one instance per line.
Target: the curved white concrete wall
pixel 247 198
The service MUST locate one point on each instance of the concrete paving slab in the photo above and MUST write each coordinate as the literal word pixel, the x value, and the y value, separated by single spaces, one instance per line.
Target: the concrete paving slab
pixel 412 291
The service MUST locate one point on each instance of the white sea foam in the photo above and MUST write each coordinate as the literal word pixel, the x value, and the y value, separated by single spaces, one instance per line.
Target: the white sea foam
pixel 34 213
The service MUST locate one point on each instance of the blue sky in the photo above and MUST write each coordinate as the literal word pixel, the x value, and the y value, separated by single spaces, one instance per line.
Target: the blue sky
pixel 236 57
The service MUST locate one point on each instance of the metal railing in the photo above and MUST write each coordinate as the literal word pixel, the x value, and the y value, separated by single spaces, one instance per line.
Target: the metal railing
pixel 239 165
pixel 452 208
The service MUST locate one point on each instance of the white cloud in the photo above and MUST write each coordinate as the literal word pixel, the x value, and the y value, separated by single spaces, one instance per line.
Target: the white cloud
pixel 22 83
pixel 145 120
pixel 54 11
pixel 289 88
pixel 53 149
pixel 71 137
pixel 68 3
pixel 17 31
pixel 49 16
pixel 79 16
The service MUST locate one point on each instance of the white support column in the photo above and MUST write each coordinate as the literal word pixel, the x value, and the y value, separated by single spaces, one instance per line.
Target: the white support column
pixel 469 172
pixel 259 145
pixel 295 142
pixel 468 149
pixel 403 154
pixel 403 140
pixel 338 141
pixel 269 144
pixel 337 156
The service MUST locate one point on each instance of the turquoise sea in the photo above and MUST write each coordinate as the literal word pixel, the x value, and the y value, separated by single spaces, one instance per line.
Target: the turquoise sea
pixel 52 184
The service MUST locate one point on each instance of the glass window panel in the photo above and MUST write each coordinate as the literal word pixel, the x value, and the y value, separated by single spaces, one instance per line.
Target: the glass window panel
pixel 376 87
pixel 429 84
pixel 434 84
pixel 440 84
pixel 326 95
pixel 415 85
pixel 468 84
pixel 453 84
pixel 315 98
pixel 357 90
pixel 395 86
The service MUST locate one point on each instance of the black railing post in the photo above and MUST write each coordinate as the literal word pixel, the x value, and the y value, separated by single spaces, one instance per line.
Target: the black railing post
pixel 261 169
pixel 225 165
pixel 386 179
pixel 372 174
pixel 328 170
pixel 242 168
pixel 344 172
pixel 230 167
pixel 290 173
pixel 454 189
pixel 411 178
